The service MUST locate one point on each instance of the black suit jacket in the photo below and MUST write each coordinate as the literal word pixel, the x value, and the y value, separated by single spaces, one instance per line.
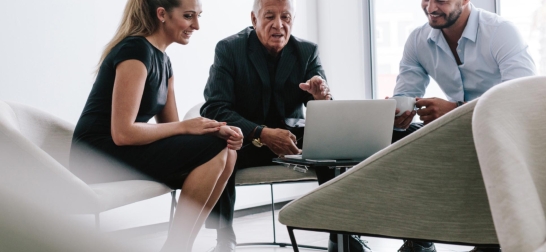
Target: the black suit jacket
pixel 239 91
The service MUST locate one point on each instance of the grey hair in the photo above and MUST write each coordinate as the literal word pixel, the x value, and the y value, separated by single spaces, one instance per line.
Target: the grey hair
pixel 258 6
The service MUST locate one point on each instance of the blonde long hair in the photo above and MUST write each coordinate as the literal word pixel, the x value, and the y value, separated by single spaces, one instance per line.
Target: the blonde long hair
pixel 139 19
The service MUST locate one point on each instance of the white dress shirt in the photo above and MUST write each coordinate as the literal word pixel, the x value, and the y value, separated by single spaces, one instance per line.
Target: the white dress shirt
pixel 491 51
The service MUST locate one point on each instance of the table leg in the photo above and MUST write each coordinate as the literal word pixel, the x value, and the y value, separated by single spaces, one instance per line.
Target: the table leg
pixel 340 241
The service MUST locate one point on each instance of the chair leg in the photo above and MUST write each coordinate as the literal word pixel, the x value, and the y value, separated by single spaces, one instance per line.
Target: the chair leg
pixel 97 221
pixel 173 207
pixel 275 243
pixel 273 214
pixel 293 239
pixel 342 242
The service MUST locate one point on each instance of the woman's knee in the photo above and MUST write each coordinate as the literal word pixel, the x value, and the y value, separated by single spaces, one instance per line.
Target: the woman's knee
pixel 220 160
pixel 225 162
pixel 230 162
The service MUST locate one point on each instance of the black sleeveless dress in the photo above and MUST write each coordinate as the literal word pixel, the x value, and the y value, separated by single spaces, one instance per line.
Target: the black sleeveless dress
pixel 95 158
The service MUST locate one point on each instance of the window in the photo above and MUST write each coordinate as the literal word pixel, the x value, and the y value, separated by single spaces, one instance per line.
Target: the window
pixel 532 27
pixel 394 21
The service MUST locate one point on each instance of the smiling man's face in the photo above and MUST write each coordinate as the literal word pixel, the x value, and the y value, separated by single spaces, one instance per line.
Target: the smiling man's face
pixel 273 24
pixel 442 13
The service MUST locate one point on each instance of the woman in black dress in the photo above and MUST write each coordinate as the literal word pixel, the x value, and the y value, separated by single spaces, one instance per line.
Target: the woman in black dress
pixel 135 83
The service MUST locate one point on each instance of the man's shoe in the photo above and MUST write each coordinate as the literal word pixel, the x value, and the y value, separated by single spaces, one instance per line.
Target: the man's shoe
pixel 412 246
pixel 355 245
pixel 486 249
pixel 225 246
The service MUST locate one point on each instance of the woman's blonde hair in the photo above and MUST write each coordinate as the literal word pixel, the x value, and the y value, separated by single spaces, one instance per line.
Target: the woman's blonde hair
pixel 139 19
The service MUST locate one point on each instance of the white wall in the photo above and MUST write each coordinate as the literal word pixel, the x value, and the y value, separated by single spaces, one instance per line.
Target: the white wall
pixel 49 49
pixel 340 39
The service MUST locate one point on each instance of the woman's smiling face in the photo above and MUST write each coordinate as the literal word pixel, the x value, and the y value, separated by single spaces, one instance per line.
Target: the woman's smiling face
pixel 183 20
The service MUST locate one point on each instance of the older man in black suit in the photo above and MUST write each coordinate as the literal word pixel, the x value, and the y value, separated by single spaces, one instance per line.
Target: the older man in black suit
pixel 260 77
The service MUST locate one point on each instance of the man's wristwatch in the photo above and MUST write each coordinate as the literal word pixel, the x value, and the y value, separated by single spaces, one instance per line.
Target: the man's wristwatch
pixel 257 132
pixel 460 103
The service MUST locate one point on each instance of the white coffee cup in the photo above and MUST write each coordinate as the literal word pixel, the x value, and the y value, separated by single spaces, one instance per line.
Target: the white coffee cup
pixel 404 103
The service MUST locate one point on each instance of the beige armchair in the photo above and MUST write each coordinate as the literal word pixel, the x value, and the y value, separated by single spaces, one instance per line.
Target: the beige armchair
pixel 510 135
pixel 34 153
pixel 425 186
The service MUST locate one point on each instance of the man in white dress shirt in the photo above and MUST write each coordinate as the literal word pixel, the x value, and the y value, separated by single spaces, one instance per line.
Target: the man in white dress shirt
pixel 466 50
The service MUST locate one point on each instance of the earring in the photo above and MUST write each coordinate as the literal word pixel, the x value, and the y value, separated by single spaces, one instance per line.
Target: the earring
pixel 162 21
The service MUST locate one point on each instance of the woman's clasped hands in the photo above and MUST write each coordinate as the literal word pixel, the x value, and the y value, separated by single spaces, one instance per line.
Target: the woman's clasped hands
pixel 200 126
pixel 233 135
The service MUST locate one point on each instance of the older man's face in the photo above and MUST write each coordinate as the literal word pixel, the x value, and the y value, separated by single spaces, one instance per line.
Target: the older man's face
pixel 273 24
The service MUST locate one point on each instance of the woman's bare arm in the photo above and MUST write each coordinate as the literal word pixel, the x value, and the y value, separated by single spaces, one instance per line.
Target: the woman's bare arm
pixel 126 98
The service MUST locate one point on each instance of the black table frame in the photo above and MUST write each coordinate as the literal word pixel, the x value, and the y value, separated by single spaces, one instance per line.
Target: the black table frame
pixel 340 167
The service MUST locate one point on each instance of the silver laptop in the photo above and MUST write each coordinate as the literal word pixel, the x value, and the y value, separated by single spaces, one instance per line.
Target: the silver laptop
pixel 354 129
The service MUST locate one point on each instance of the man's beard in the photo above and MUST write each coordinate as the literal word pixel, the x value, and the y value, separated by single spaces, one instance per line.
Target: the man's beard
pixel 450 19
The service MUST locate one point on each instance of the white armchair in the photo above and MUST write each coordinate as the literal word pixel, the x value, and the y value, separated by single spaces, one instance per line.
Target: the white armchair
pixel 34 153
pixel 510 141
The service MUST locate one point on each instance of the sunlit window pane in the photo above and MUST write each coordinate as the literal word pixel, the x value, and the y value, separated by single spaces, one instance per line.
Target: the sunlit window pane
pixel 394 21
pixel 530 18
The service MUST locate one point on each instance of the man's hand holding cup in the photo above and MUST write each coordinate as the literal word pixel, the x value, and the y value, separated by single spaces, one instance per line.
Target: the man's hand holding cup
pixel 405 111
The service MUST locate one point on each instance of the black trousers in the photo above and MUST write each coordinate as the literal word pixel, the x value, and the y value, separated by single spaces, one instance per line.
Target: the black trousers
pixel 250 156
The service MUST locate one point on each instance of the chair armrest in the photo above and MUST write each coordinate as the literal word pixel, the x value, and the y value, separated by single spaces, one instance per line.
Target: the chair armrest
pixel 194 111
pixel 30 173
pixel 50 133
